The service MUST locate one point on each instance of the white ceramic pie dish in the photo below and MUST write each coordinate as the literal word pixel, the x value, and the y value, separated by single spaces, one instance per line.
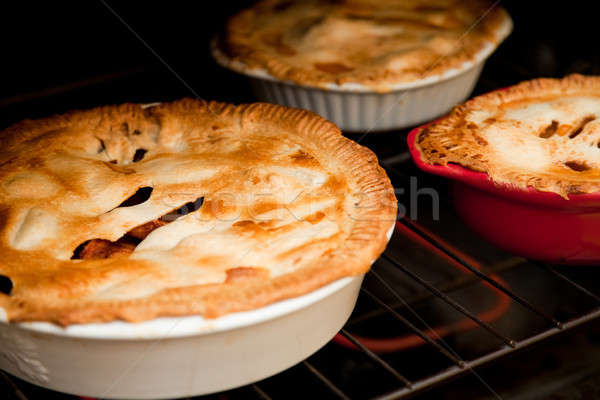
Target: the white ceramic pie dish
pixel 177 357
pixel 358 108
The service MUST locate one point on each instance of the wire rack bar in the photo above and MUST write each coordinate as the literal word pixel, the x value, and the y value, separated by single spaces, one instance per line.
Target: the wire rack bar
pixel 450 301
pixel 568 280
pixel 399 158
pixel 436 243
pixel 16 391
pixel 455 284
pixel 413 328
pixel 261 393
pixel 454 371
pixel 376 358
pixel 334 389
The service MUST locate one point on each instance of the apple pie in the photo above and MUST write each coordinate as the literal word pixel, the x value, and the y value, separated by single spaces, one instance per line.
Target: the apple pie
pixel 543 134
pixel 369 42
pixel 131 212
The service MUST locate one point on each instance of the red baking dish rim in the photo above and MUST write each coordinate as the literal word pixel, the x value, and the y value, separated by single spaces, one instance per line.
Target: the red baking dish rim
pixel 482 181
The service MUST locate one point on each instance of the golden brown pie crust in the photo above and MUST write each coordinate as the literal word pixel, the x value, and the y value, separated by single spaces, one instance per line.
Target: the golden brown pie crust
pixel 543 133
pixel 370 42
pixel 289 205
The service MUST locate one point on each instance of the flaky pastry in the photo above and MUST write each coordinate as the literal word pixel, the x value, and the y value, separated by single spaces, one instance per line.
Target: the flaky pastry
pixel 373 43
pixel 132 213
pixel 543 134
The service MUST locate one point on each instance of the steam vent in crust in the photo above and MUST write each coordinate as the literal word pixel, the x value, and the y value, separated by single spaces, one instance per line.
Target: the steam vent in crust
pixel 543 134
pixel 130 212
pixel 369 42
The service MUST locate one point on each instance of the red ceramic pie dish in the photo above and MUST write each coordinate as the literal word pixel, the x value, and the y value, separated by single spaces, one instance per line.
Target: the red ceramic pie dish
pixel 530 223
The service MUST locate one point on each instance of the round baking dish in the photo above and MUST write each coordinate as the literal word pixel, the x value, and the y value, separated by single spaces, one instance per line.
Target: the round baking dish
pixel 176 357
pixel 359 108
pixel 530 223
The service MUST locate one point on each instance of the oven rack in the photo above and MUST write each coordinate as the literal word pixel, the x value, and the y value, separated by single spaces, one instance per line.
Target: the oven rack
pixel 460 366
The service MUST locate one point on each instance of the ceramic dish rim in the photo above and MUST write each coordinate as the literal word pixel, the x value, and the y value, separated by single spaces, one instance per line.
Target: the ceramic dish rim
pixel 482 181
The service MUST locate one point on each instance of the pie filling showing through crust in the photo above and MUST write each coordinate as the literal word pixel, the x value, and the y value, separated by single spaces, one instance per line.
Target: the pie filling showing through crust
pixel 132 213
pixel 370 42
pixel 543 134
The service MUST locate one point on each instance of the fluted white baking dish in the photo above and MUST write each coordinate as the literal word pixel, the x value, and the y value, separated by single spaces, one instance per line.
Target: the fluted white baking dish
pixel 358 108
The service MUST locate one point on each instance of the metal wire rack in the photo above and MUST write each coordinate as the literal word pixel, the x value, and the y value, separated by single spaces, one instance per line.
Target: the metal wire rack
pixel 459 365
pixel 475 273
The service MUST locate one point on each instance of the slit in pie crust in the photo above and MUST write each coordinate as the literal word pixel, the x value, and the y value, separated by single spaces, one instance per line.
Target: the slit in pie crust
pixel 227 208
pixel 543 134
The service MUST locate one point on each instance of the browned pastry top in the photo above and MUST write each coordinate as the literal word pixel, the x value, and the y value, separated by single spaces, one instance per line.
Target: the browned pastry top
pixel 126 212
pixel 369 42
pixel 543 133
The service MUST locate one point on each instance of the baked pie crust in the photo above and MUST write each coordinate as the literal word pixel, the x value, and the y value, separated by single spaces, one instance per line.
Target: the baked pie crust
pixel 369 42
pixel 543 134
pixel 182 208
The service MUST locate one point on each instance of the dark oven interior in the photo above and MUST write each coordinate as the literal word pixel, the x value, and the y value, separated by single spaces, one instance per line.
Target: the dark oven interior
pixel 442 314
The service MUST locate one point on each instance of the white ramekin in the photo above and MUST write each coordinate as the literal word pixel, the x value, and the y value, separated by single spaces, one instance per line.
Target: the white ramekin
pixel 357 108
